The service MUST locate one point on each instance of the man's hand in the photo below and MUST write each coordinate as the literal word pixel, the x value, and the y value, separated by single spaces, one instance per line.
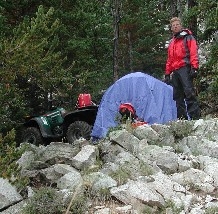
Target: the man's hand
pixel 193 73
pixel 167 79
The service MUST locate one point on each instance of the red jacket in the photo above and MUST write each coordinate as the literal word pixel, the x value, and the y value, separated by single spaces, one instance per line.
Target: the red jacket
pixel 182 50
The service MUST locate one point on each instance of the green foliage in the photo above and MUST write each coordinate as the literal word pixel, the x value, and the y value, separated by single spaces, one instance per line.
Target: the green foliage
pixel 206 12
pixel 208 16
pixel 121 175
pixel 31 66
pixel 12 107
pixel 211 210
pixel 90 44
pixel 3 25
pixel 97 195
pixel 45 201
pixel 30 52
pixel 67 47
pixel 209 77
pixel 128 171
pixel 145 169
pixel 171 207
pixel 120 122
pixel 147 210
pixel 79 205
pixel 104 195
pixel 112 129
pixel 181 128
pixel 213 65
pixel 142 36
pixel 9 154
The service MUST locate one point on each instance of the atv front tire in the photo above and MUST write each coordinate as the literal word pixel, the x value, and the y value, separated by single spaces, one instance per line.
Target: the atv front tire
pixel 77 130
pixel 32 135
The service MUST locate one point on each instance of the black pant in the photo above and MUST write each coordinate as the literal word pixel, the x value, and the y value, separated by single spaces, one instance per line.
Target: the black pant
pixel 184 94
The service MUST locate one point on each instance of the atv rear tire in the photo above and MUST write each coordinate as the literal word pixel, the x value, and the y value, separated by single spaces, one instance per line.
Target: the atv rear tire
pixel 77 130
pixel 32 135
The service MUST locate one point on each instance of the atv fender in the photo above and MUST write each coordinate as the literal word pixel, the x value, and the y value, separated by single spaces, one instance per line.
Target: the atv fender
pixel 42 124
pixel 87 115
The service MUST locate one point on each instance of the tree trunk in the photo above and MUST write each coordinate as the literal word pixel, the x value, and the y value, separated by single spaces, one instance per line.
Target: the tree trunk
pixel 130 50
pixel 173 6
pixel 116 15
pixel 192 25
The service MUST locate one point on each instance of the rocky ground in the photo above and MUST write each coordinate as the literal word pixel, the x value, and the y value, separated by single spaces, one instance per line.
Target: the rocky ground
pixel 171 168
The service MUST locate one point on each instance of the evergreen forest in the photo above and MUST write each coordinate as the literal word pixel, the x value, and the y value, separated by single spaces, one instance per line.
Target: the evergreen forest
pixel 57 49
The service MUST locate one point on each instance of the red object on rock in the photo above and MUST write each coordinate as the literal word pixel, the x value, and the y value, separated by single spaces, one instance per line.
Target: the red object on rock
pixel 138 123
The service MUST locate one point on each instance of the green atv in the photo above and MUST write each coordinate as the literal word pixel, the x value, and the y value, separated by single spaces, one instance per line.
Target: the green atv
pixel 60 125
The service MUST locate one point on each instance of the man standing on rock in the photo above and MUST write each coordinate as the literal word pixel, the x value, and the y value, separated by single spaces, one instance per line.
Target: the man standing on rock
pixel 182 65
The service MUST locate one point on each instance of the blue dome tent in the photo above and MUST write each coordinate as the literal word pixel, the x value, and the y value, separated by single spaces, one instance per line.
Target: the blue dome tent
pixel 151 98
